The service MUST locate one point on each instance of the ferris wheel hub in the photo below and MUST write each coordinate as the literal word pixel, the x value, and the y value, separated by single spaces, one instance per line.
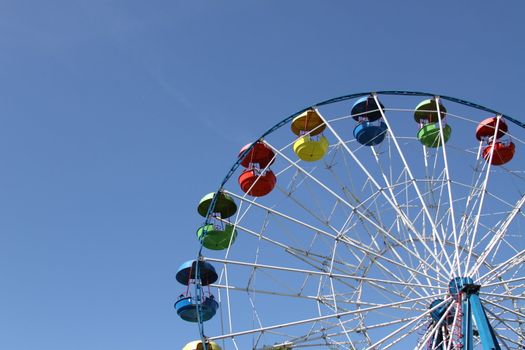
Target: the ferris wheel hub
pixel 460 285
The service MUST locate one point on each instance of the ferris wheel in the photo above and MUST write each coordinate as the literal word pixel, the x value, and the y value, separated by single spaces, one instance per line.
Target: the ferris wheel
pixel 384 220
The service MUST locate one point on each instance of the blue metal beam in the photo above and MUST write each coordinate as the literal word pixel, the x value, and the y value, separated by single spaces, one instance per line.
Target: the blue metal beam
pixel 472 308
pixel 467 325
pixel 486 333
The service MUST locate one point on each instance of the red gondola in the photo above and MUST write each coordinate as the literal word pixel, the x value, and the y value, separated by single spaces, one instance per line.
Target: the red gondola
pixel 503 152
pixel 486 128
pixel 260 154
pixel 255 184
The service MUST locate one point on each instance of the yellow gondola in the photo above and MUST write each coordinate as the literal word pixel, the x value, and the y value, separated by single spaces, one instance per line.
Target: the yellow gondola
pixel 310 146
pixel 197 345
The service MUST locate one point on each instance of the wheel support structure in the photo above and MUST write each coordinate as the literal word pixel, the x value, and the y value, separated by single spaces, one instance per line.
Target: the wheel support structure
pixel 467 292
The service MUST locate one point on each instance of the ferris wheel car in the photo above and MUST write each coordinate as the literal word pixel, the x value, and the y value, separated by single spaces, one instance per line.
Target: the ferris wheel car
pixel 189 310
pixel 487 128
pixel 309 122
pixel 224 205
pixel 502 152
pixel 370 133
pixel 366 109
pixel 427 112
pixel 257 184
pixel 216 238
pixel 259 154
pixel 310 149
pixel 197 345
pixel 187 272
pixel 430 135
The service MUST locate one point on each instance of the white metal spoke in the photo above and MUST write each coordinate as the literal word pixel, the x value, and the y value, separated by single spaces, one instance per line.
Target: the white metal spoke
pixel 483 190
pixel 504 308
pixel 502 282
pixel 325 317
pixel 414 184
pixel 436 327
pixel 319 273
pixel 380 189
pixel 354 244
pixel 500 269
pixel 425 314
pixel 498 236
pixel 449 189
pixel 505 296
pixel 362 216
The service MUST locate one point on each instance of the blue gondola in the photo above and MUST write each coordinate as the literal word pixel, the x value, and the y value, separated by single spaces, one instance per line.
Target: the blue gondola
pixel 371 130
pixel 366 109
pixel 187 308
pixel 370 133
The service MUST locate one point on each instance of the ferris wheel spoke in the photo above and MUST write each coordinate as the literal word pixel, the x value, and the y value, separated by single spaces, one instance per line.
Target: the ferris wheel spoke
pixel 406 325
pixel 389 188
pixel 466 221
pixel 473 200
pixel 506 321
pixel 316 272
pixel 499 306
pixel 506 282
pixel 516 260
pixel 422 262
pixel 449 188
pixel 502 297
pixel 407 268
pixel 412 277
pixel 455 323
pixel 390 294
pixel 382 191
pixel 490 231
pixel 482 197
pixel 432 332
pixel 315 230
pixel 408 333
pixel 506 339
pixel 228 301
pixel 391 274
pixel 322 318
pixel 387 325
pixel 353 244
pixel 507 326
pixel 388 273
pixel 432 183
pixel 363 216
pixel 334 298
pixel 417 190
pixel 498 236
pixel 267 292
pixel 299 341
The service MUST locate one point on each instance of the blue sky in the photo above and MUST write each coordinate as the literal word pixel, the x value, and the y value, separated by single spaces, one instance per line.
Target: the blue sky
pixel 117 116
